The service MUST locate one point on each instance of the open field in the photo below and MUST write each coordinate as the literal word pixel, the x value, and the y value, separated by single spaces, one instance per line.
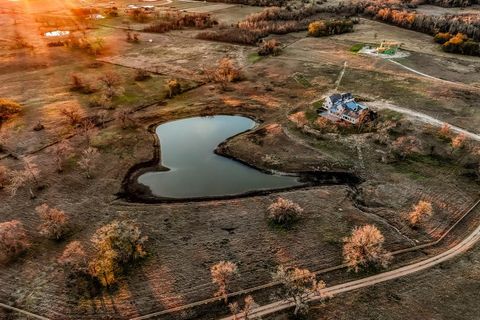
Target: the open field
pixel 185 239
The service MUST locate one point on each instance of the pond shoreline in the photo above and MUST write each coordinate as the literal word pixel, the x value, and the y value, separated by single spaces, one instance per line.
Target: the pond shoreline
pixel 134 192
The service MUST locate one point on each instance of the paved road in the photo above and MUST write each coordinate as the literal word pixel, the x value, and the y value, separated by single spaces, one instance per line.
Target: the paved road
pixel 451 253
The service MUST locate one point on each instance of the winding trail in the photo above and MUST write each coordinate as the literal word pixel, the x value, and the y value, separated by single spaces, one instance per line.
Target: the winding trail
pixel 451 253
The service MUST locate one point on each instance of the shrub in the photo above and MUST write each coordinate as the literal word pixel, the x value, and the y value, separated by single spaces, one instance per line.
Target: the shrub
pixel 442 37
pixel 72 114
pixel 222 274
pixel 142 75
pixel 298 285
pixel 174 87
pixel 226 72
pixel 419 212
pixel 459 141
pixel 364 248
pixel 270 47
pixel 405 146
pixel 248 304
pixel 133 37
pixel 284 212
pixel 82 85
pixel 124 117
pixel 357 47
pixel 54 222
pixel 13 240
pixel 73 258
pixel 117 244
pixel 4 176
pixel 8 108
pixel 444 132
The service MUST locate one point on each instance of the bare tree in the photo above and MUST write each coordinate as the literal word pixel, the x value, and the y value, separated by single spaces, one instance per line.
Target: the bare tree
pixel 124 117
pixel 365 248
pixel 420 211
pixel 248 305
pixel 54 222
pixel 223 273
pixel 111 83
pixel 27 177
pixel 88 161
pixel 298 285
pixel 86 128
pixel 60 152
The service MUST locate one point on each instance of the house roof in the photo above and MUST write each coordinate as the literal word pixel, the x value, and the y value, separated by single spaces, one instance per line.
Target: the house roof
pixel 335 97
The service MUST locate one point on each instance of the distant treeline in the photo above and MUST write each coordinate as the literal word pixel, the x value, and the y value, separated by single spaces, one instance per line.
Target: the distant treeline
pixel 450 3
pixel 458 43
pixel 467 24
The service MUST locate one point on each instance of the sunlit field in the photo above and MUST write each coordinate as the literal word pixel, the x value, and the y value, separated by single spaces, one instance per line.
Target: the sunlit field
pixel 239 159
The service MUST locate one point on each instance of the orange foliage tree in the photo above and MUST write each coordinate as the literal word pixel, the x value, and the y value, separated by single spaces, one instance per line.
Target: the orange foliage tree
pixel 419 212
pixel 54 222
pixel 222 274
pixel 364 248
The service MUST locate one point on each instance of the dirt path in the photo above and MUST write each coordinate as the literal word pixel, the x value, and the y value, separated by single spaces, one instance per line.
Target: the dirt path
pixel 451 253
pixel 379 105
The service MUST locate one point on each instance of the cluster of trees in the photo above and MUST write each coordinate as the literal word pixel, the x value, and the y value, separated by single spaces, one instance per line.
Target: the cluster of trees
pixel 296 285
pixel 175 20
pixel 458 43
pixel 328 27
pixel 274 20
pixel 449 3
pixel 399 14
pixel 108 86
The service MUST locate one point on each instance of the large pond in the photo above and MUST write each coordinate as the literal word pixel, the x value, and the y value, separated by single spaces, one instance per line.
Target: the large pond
pixel 193 170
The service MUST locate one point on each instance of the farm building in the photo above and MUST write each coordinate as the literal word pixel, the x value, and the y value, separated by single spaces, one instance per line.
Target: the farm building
pixel 343 106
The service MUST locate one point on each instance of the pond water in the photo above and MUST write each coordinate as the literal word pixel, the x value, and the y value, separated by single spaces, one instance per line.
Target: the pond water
pixel 195 171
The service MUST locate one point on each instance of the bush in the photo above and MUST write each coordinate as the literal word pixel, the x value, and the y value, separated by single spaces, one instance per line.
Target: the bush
pixel 54 222
pixel 174 88
pixel 420 211
pixel 357 47
pixel 13 240
pixel 73 258
pixel 364 248
pixel 284 212
pixel 88 161
pixel 117 244
pixel 82 85
pixel 8 108
pixel 270 47
pixel 142 75
pixel 72 114
pixel 442 37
